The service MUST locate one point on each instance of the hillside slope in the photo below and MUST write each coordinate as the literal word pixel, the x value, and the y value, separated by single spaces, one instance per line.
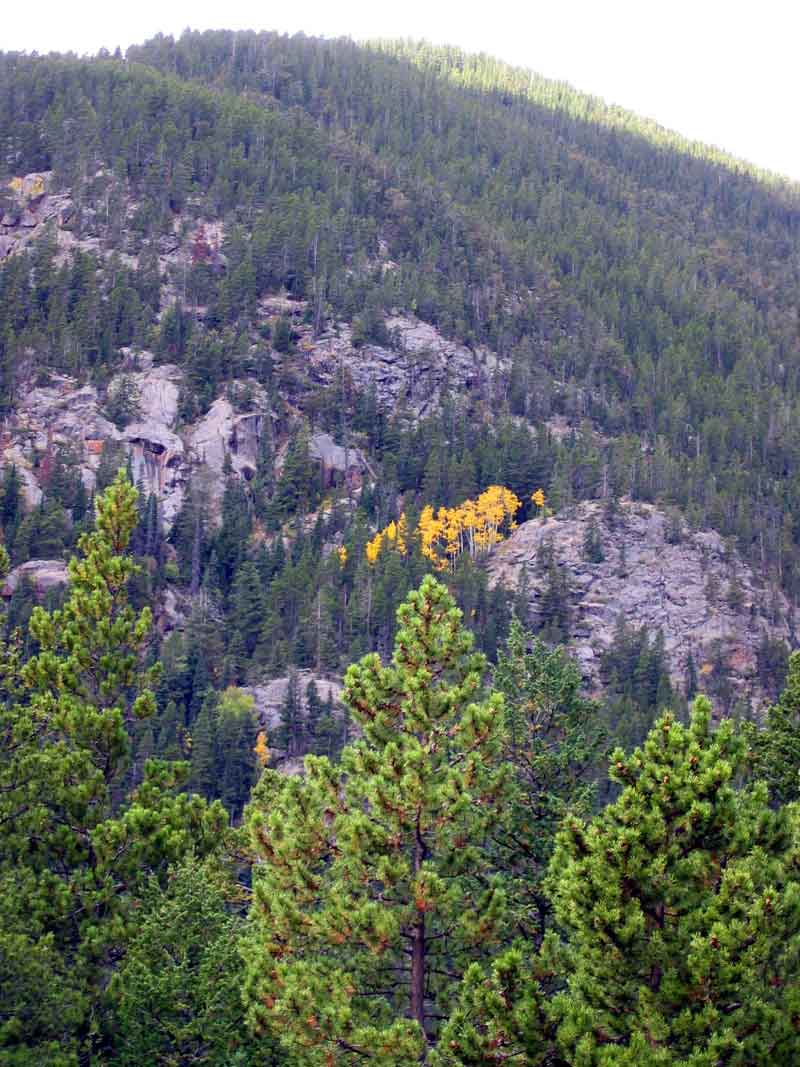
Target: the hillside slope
pixel 301 286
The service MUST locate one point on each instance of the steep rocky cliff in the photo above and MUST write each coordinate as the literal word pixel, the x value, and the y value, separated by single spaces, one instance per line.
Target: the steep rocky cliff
pixel 642 566
pixel 410 375
pixel 639 564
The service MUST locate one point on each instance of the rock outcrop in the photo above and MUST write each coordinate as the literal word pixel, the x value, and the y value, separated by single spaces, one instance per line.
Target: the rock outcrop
pixel 702 597
pixel 158 388
pixel 223 436
pixel 414 375
pixel 43 574
pixel 338 464
pixel 49 417
pixel 163 455
pixel 157 462
pixel 270 696
pixel 32 208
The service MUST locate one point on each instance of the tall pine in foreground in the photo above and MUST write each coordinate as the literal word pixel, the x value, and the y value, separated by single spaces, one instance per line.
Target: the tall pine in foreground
pixel 75 851
pixel 553 743
pixel 681 905
pixel 373 895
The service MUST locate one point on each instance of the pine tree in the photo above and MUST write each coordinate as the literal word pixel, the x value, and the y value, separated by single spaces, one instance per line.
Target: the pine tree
pixel 776 748
pixel 681 907
pixel 290 730
pixel 313 713
pixel 233 534
pixel 122 403
pixel 298 486
pixel 11 502
pixel 170 733
pixel 247 605
pixel 71 844
pixel 205 765
pixel 332 730
pixel 502 1016
pixel 177 996
pixel 692 683
pixel 554 609
pixel 553 744
pixel 236 736
pixel 373 895
pixel 593 543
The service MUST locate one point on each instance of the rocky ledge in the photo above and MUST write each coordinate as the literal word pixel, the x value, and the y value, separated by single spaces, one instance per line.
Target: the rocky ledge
pixel 688 584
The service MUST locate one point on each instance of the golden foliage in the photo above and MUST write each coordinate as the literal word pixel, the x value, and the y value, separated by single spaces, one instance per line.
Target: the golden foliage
pixel 36 187
pixel 538 498
pixel 373 548
pixel 472 527
pixel 261 750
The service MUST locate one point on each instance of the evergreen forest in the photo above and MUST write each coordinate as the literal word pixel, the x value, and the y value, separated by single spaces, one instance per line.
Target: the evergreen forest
pixel 335 382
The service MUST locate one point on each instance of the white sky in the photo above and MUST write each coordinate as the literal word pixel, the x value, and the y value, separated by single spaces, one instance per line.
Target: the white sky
pixel 722 71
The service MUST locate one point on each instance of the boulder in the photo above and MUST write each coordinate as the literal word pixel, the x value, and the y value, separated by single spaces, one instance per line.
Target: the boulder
pixel 44 574
pixel 270 696
pixel 338 463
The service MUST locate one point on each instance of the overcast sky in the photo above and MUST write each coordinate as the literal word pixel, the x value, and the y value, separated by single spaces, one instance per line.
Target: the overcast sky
pixel 721 71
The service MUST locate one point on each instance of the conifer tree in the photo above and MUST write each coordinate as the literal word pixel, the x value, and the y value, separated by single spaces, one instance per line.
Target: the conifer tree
pixel 681 906
pixel 502 1016
pixel 205 768
pixel 313 713
pixel 177 994
pixel 553 744
pixel 71 845
pixel 290 730
pixel 776 749
pixel 297 489
pixel 593 550
pixel 248 605
pixel 373 895
pixel 236 737
pixel 10 501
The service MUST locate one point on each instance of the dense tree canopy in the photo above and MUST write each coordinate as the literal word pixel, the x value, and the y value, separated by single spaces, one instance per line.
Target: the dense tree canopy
pixel 453 876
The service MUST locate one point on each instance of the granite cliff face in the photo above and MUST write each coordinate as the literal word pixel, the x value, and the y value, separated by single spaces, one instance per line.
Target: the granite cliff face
pixel 411 375
pixel 164 454
pixel 414 375
pixel 690 586
pixel 687 584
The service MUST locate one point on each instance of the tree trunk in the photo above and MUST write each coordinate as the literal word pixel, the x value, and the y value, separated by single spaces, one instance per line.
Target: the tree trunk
pixel 418 950
pixel 418 971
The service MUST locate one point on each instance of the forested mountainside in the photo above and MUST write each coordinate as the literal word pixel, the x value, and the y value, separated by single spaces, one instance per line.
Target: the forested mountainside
pixel 303 287
pixel 295 333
